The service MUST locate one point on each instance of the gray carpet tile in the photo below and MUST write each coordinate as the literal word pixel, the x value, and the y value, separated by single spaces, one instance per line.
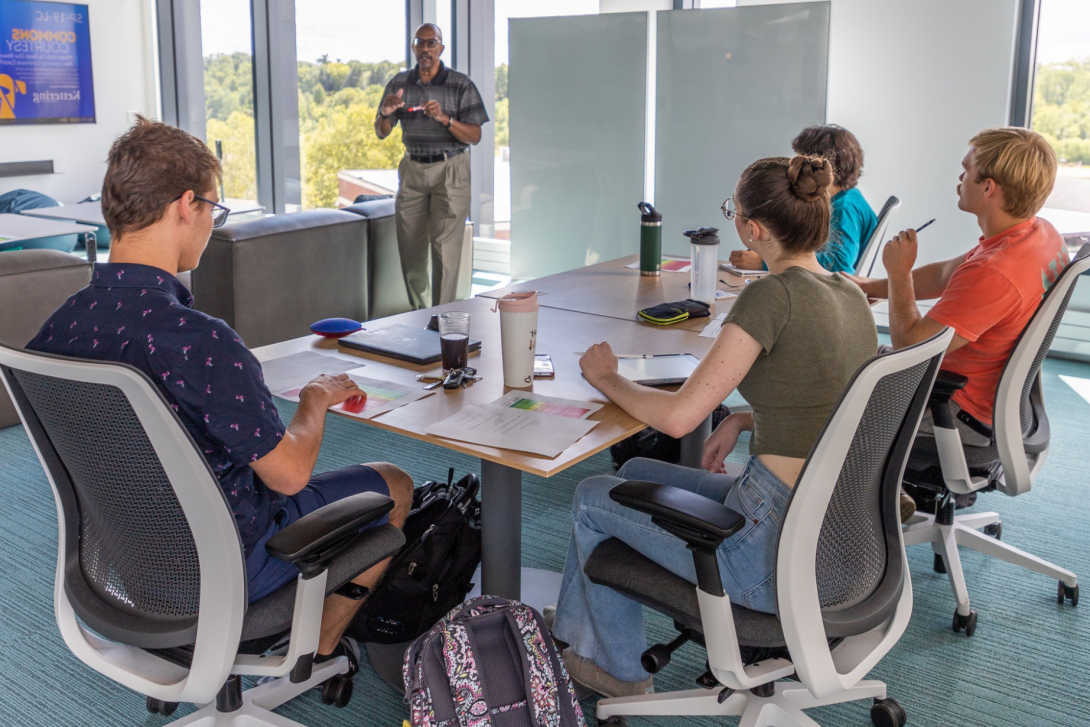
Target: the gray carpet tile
pixel 1025 666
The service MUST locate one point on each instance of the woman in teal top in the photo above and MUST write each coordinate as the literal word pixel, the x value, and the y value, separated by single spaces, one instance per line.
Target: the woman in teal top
pixel 853 220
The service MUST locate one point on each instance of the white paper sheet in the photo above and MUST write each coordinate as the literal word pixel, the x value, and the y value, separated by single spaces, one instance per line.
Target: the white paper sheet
pixel 551 405
pixel 721 294
pixel 301 368
pixel 712 329
pixel 517 429
pixel 382 396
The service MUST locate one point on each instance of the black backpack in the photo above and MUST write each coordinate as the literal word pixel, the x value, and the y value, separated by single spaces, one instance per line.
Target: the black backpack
pixel 433 572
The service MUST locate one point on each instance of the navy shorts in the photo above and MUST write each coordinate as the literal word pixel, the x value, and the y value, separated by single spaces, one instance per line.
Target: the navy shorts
pixel 267 574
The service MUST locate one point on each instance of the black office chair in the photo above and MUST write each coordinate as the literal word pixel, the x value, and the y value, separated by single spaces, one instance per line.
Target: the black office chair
pixel 843 592
pixel 943 468
pixel 150 584
pixel 873 246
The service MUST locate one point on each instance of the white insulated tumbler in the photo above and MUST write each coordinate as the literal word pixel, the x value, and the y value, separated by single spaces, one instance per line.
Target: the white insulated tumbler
pixel 518 337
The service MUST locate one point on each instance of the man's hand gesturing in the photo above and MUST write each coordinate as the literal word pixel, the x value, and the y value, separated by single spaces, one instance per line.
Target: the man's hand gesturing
pixel 392 103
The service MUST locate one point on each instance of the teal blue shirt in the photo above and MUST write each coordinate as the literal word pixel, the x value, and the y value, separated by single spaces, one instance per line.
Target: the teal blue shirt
pixel 852 225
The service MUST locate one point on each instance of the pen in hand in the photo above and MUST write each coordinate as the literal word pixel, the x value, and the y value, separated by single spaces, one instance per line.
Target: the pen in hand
pixel 921 227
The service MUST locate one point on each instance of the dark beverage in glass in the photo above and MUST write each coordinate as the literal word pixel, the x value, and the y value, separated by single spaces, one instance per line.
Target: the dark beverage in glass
pixel 454 339
pixel 455 349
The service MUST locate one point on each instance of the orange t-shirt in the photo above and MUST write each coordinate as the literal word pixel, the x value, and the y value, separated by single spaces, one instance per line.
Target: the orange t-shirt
pixel 990 299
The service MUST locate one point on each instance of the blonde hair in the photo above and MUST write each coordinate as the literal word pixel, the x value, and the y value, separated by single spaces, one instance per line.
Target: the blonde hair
pixel 1021 162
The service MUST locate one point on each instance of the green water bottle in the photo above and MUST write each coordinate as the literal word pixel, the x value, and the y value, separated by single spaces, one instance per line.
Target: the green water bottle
pixel 650 239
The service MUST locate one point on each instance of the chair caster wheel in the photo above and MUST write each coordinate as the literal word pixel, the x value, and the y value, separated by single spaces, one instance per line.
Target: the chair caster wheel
pixel 156 706
pixel 613 722
pixel 940 564
pixel 968 623
pixel 887 713
pixel 337 691
pixel 1065 592
pixel 995 530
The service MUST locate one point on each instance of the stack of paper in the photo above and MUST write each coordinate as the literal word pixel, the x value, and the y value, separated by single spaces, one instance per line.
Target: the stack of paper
pixel 522 421
pixel 301 368
pixel 381 397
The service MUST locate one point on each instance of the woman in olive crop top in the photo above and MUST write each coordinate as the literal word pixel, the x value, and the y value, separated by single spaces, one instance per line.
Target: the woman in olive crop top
pixel 790 344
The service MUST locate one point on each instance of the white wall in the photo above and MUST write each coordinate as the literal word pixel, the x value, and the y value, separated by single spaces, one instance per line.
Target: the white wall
pixel 123 62
pixel 914 80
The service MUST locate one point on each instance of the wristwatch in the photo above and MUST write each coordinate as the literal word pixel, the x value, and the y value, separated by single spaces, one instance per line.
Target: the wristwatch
pixel 450 120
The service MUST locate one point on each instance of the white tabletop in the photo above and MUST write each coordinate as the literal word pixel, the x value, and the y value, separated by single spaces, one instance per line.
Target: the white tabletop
pixel 18 227
pixel 87 212
pixel 91 212
pixel 1067 222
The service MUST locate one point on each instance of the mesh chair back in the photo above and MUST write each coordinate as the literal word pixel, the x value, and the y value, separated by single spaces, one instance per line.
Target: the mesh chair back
pixel 131 569
pixel 859 561
pixel 869 253
pixel 1031 410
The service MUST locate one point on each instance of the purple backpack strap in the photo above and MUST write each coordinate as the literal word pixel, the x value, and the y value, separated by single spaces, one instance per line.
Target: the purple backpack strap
pixel 544 686
pixel 465 681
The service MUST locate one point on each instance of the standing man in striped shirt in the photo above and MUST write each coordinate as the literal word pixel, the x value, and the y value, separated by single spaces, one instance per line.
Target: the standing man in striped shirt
pixel 440 112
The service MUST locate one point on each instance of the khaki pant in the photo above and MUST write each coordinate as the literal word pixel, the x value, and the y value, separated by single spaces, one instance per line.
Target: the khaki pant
pixel 432 205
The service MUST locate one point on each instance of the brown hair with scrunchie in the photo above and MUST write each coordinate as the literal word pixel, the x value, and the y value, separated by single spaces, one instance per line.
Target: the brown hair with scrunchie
pixel 790 197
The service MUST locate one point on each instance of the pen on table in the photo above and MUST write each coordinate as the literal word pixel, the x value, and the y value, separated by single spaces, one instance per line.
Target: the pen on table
pixel 921 227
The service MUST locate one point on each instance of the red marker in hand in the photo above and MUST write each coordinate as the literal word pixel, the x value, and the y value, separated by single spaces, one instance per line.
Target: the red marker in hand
pixel 355 404
pixel 414 109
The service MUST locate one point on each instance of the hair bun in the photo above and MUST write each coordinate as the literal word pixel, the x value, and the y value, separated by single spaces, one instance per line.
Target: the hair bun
pixel 810 177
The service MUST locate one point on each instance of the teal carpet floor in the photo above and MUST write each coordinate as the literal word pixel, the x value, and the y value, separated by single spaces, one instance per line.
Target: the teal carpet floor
pixel 1027 665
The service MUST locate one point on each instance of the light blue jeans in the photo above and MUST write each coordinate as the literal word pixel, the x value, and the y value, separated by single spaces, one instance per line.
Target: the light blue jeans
pixel 606 626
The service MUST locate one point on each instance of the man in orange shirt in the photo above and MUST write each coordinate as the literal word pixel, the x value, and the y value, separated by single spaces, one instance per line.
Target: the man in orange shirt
pixel 989 294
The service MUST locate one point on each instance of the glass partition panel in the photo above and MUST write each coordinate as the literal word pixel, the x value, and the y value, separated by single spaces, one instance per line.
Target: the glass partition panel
pixel 226 29
pixel 733 85
pixel 347 52
pixel 577 109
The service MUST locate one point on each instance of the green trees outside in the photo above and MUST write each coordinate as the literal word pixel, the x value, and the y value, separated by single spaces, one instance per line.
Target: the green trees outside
pixel 337 105
pixel 1061 108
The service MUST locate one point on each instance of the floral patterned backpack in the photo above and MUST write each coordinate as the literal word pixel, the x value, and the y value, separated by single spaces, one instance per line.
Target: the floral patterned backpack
pixel 490 662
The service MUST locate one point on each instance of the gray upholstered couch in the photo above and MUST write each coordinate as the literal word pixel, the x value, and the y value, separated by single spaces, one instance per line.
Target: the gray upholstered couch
pixel 386 283
pixel 270 278
pixel 33 284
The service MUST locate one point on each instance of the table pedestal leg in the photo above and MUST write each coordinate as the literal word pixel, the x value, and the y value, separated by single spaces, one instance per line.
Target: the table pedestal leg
pixel 692 444
pixel 501 530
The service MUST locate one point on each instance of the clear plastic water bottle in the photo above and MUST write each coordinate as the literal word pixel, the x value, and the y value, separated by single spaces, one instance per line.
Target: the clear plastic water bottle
pixel 704 270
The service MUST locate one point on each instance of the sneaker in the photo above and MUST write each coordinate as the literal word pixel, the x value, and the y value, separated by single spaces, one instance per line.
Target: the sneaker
pixel 347 646
pixel 584 672
pixel 549 615
pixel 908 506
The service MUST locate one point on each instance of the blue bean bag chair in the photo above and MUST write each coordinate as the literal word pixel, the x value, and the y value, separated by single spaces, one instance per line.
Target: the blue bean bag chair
pixel 18 200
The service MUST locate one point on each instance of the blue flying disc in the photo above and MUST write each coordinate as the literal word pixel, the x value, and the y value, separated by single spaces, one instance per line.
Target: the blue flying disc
pixel 335 327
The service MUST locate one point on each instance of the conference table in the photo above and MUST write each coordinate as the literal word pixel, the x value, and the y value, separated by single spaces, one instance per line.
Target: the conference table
pixel 562 332
pixel 614 290
pixel 91 212
pixel 14 228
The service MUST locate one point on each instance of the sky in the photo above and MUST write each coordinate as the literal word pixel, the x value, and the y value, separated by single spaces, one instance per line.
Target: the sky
pixel 1064 32
pixel 373 30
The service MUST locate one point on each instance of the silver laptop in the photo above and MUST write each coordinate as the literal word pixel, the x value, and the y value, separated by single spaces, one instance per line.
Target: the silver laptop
pixel 658 370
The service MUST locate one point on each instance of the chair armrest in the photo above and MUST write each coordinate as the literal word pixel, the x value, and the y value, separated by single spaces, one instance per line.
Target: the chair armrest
pixel 700 522
pixel 947 383
pixel 316 539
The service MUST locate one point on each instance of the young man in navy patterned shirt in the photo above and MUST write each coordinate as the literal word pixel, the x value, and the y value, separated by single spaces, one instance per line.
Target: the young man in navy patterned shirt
pixel 160 203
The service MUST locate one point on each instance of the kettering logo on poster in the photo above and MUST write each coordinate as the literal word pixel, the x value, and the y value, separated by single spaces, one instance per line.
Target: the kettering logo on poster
pixel 45 63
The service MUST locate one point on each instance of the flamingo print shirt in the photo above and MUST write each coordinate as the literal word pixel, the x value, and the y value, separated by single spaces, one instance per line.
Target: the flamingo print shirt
pixel 143 316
